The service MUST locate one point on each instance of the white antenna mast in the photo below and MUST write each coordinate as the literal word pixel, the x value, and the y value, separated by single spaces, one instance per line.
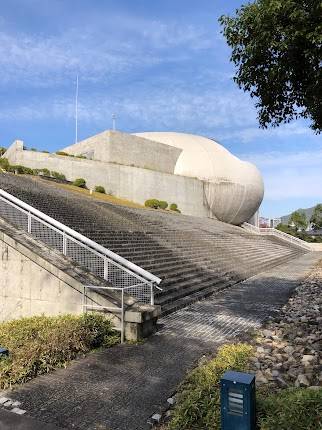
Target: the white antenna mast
pixel 113 120
pixel 76 111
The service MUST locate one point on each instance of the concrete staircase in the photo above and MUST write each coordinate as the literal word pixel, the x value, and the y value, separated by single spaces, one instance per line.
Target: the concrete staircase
pixel 193 256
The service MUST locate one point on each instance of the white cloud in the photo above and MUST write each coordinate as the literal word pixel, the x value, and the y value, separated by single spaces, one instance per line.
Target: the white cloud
pixel 290 175
pixel 96 52
pixel 251 134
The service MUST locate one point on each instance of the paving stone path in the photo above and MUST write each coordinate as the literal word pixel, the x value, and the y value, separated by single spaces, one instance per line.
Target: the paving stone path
pixel 120 388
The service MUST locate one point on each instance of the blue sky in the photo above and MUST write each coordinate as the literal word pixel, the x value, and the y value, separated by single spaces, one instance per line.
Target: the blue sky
pixel 159 65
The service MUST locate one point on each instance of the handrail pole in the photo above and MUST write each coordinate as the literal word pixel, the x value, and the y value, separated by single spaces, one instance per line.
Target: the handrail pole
pixel 152 293
pixel 64 243
pixel 29 223
pixel 84 303
pixel 122 318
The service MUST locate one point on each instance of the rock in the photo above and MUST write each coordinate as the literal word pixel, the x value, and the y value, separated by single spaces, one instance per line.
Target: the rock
pixel 281 383
pixel 307 359
pixel 267 333
pixel 289 349
pixel 260 378
pixel 302 381
pixel 156 418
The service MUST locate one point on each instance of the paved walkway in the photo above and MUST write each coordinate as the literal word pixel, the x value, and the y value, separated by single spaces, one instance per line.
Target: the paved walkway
pixel 120 388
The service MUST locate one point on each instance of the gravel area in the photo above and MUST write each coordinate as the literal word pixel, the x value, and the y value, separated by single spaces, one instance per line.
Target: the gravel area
pixel 289 349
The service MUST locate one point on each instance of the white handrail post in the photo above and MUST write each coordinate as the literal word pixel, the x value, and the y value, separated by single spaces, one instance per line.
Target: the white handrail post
pixel 152 293
pixel 64 243
pixel 122 318
pixel 29 223
pixel 84 295
pixel 105 268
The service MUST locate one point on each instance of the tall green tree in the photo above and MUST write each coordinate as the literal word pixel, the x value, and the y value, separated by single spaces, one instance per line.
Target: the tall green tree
pixel 316 218
pixel 276 48
pixel 298 219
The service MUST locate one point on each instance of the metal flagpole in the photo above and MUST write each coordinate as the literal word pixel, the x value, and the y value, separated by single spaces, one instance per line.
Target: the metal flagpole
pixel 76 111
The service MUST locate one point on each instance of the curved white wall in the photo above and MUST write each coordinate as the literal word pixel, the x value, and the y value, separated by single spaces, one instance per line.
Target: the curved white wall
pixel 233 188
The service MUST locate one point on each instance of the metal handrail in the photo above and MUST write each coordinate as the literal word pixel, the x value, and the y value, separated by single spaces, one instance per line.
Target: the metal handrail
pixel 57 226
pixel 277 233
pixel 288 237
pixel 107 308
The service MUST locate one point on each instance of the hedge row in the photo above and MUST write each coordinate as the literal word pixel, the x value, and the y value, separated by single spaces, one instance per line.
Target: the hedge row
pixel 40 344
pixel 160 204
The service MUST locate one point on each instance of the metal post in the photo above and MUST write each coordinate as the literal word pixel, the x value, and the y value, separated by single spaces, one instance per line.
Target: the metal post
pixel 105 268
pixel 122 318
pixel 84 295
pixel 64 243
pixel 152 293
pixel 29 223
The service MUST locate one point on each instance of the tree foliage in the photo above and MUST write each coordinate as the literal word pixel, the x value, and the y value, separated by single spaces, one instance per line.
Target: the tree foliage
pixel 316 218
pixel 276 48
pixel 299 220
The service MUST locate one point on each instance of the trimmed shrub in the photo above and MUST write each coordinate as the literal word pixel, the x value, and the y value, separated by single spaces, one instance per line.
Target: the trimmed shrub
pixel 45 152
pixel 45 172
pixel 63 153
pixel 99 189
pixel 40 344
pixel 152 203
pixel 81 156
pixel 80 182
pixel 21 170
pixel 174 207
pixel 296 409
pixel 33 149
pixel 4 164
pixel 198 403
pixel 163 204
pixel 59 176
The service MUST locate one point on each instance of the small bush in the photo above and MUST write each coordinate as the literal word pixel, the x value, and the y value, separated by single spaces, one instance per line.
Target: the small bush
pixel 99 189
pixel 65 154
pixel 21 170
pixel 80 182
pixel 80 156
pixel 45 172
pixel 296 409
pixel 163 204
pixel 2 150
pixel 59 176
pixel 33 149
pixel 4 164
pixel 198 405
pixel 45 152
pixel 174 207
pixel 40 344
pixel 152 203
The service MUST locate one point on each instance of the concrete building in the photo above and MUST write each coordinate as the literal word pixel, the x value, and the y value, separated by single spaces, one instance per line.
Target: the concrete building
pixel 198 174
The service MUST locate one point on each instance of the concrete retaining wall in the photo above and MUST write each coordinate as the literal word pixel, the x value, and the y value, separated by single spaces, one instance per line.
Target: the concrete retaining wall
pixel 122 148
pixel 316 247
pixel 36 280
pixel 132 183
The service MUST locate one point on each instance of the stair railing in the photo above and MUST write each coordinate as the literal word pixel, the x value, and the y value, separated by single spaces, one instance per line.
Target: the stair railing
pixel 104 263
pixel 277 233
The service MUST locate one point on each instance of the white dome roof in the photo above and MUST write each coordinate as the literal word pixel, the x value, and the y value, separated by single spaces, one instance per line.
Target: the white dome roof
pixel 234 188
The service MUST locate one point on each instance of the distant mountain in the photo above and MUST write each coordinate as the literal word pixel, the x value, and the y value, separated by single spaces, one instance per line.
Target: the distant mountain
pixel 308 212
